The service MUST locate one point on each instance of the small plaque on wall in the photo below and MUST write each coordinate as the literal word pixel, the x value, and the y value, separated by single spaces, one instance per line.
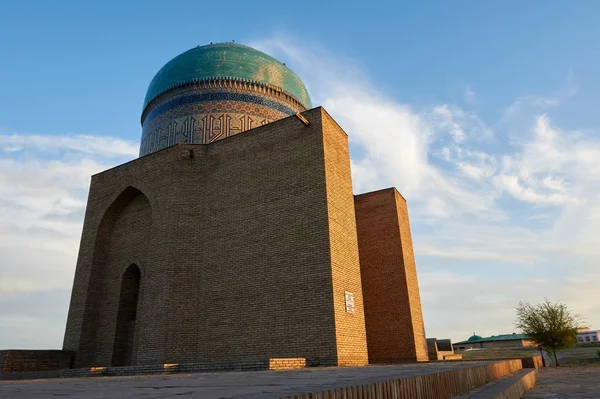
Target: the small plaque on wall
pixel 349 302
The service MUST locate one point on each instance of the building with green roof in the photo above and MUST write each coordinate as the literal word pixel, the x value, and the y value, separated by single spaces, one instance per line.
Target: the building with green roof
pixel 513 340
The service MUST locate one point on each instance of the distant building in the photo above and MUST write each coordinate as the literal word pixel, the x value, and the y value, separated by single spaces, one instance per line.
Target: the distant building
pixel 441 349
pixel 495 341
pixel 588 336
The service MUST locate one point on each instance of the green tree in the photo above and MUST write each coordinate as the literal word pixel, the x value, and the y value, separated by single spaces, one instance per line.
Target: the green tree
pixel 548 324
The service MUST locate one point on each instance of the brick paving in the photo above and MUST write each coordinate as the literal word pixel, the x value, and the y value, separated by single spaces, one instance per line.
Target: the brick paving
pixel 567 382
pixel 238 385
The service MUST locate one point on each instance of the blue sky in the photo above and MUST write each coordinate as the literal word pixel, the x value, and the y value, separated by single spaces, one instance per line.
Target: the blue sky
pixel 481 113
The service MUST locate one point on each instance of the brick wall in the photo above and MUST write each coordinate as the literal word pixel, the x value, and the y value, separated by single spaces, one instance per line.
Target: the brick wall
pixel 13 360
pixel 393 315
pixel 350 326
pixel 239 248
pixel 258 364
pixel 287 364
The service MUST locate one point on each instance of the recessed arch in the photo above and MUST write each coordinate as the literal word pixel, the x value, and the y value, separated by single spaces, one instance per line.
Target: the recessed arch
pixel 126 316
pixel 125 192
pixel 121 247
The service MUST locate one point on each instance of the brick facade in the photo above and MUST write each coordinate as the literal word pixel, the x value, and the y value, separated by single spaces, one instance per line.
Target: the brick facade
pixel 345 264
pixel 393 316
pixel 245 248
pixel 20 361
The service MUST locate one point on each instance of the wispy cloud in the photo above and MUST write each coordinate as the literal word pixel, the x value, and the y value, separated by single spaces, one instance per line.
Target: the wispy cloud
pixel 469 95
pixel 79 143
pixel 43 188
pixel 502 202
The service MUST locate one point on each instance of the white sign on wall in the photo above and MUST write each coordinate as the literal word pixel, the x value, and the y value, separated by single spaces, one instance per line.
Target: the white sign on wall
pixel 349 302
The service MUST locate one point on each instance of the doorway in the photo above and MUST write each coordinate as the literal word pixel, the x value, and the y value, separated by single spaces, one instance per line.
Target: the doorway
pixel 126 317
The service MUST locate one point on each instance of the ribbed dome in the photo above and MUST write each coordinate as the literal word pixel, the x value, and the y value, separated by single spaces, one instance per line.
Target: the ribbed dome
pixel 227 61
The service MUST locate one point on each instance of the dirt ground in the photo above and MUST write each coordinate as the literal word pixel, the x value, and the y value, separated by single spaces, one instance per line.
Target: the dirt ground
pixel 567 382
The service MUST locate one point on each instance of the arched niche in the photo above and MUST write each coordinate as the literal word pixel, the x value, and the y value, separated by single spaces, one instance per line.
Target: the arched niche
pixel 124 233
pixel 126 316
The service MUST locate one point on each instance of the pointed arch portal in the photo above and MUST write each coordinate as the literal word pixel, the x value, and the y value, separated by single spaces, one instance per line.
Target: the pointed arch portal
pixel 126 317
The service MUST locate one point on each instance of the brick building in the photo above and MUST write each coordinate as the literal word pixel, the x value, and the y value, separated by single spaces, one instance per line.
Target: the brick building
pixel 236 235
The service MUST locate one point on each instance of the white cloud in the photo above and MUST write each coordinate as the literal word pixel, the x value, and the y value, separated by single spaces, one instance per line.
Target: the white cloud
pixel 80 143
pixel 495 205
pixel 521 191
pixel 554 183
pixel 470 96
pixel 538 103
pixel 43 188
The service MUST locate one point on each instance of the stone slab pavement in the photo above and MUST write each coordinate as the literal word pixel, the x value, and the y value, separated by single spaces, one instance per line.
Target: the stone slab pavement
pixel 567 382
pixel 238 385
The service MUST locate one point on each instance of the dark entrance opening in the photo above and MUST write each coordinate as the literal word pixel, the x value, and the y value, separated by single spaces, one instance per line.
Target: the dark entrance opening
pixel 128 300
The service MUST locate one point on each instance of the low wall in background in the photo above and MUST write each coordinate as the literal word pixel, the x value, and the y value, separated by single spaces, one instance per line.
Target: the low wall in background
pixel 18 360
pixel 62 370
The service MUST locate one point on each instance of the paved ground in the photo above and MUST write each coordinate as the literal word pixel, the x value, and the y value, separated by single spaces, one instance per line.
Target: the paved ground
pixel 567 382
pixel 258 384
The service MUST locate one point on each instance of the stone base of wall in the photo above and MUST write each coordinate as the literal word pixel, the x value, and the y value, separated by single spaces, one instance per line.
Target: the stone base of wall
pixel 17 360
pixel 169 368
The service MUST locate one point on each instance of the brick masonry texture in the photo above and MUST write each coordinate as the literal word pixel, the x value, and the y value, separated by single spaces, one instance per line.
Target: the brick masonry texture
pixel 393 315
pixel 350 327
pixel 244 248
pixel 287 364
pixel 167 368
pixel 17 361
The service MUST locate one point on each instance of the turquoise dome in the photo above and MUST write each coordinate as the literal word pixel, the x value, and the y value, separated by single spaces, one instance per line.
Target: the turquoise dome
pixel 230 61
pixel 474 338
